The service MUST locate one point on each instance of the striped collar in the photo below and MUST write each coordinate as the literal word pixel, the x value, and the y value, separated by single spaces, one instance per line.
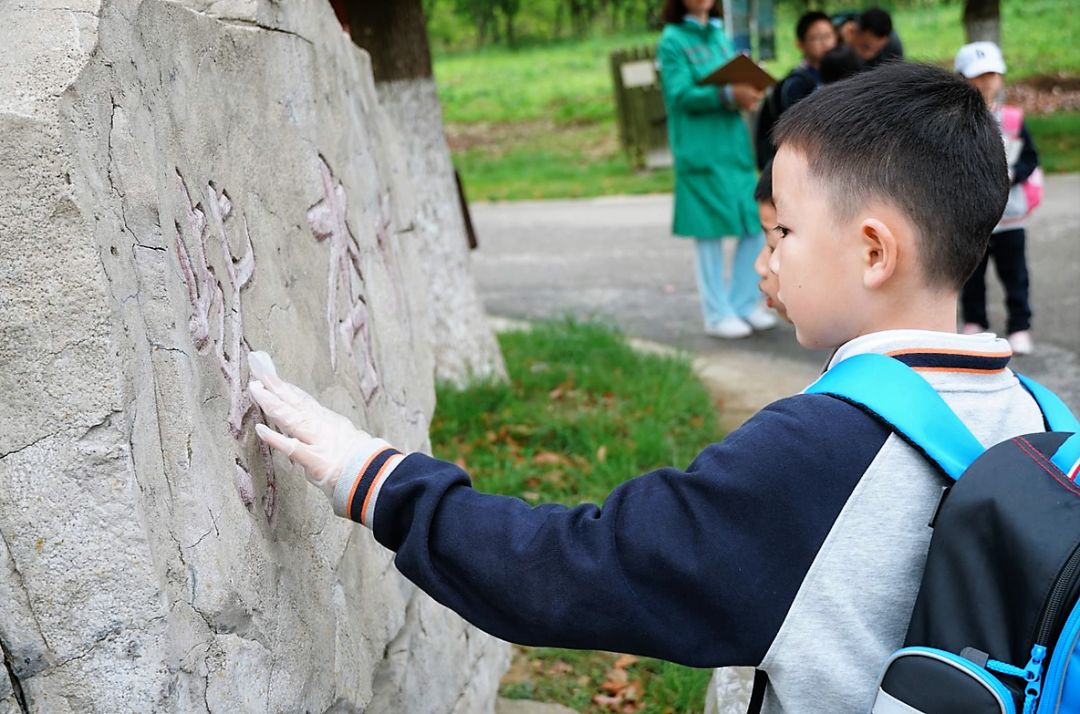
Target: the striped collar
pixel 928 351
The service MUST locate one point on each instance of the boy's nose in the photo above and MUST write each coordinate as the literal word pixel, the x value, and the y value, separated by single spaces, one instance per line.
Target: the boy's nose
pixel 774 261
pixel 761 263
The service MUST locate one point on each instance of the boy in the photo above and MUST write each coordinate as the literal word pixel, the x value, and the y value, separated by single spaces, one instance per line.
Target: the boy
pixel 769 285
pixel 815 36
pixel 876 42
pixel 795 545
pixel 981 64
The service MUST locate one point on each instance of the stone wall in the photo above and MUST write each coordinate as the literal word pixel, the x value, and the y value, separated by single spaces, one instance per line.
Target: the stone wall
pixel 462 338
pixel 184 182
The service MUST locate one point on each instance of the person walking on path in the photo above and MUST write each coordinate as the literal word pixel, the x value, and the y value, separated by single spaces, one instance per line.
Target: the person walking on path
pixel 714 166
pixel 982 64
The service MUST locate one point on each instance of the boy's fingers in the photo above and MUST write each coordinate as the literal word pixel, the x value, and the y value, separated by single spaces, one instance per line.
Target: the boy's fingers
pixel 285 444
pixel 281 413
pixel 298 452
pixel 262 369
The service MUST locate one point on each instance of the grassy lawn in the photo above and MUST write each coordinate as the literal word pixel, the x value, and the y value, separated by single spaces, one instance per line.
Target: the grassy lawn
pixel 1057 137
pixel 581 413
pixel 538 122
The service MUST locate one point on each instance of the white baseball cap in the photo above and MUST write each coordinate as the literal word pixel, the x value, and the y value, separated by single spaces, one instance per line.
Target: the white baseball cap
pixel 979 58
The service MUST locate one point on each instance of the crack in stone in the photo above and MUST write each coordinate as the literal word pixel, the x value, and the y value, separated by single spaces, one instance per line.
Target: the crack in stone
pixel 32 443
pixel 16 683
pixel 255 25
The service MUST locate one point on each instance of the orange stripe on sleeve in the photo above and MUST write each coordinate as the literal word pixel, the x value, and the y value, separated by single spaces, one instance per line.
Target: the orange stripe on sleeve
pixel 360 477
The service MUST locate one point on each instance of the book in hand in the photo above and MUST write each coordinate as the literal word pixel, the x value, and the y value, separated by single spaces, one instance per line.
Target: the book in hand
pixel 740 69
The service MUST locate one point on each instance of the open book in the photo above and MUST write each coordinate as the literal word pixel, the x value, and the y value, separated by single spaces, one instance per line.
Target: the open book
pixel 740 69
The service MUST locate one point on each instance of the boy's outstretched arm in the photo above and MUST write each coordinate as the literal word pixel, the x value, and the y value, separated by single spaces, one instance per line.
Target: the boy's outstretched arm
pixel 697 567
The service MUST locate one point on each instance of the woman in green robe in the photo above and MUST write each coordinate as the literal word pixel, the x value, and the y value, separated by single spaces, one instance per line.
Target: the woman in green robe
pixel 714 166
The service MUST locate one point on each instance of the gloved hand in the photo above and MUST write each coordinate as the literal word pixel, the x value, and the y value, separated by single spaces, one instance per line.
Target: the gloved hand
pixel 323 442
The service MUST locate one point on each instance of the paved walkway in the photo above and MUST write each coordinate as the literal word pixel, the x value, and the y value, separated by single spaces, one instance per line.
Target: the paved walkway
pixel 614 258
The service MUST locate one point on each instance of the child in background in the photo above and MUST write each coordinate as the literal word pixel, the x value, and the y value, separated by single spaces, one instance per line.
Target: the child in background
pixel 770 283
pixel 982 65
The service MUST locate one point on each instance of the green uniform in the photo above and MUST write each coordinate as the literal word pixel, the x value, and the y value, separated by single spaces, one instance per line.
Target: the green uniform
pixel 714 166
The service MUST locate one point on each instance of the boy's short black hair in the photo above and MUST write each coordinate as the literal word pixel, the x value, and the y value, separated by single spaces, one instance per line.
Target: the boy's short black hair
pixel 839 63
pixel 808 19
pixel 763 190
pixel 919 138
pixel 876 21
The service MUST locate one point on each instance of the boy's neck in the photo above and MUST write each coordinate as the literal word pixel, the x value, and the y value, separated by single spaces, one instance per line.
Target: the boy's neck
pixel 935 313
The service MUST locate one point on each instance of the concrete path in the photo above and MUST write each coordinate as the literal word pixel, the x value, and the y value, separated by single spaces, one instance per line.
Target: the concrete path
pixel 614 258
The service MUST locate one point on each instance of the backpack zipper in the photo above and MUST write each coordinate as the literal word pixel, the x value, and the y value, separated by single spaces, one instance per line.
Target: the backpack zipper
pixel 1063 587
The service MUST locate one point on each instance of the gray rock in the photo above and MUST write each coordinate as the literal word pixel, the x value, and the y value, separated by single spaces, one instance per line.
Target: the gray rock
pixel 184 182
pixel 462 339
pixel 524 706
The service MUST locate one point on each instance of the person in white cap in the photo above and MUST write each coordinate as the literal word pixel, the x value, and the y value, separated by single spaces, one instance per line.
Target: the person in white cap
pixel 983 66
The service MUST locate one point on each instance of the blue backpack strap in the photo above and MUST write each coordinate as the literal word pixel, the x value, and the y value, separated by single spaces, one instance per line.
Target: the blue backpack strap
pixel 1057 415
pixel 1058 418
pixel 1067 457
pixel 897 395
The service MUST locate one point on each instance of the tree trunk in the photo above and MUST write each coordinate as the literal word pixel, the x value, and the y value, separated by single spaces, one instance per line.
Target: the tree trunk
pixel 982 20
pixel 394 34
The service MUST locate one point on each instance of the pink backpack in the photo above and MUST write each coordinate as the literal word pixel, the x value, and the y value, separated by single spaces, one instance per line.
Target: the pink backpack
pixel 1011 120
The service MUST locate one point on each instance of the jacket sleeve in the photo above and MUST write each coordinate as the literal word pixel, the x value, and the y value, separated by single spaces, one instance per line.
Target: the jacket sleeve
pixel 1029 157
pixel 697 566
pixel 680 89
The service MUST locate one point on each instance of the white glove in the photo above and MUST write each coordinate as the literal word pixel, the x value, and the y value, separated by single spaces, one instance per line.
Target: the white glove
pixel 323 442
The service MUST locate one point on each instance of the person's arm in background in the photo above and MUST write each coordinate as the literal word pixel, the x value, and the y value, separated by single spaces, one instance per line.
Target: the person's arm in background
pixel 1029 157
pixel 698 567
pixel 682 91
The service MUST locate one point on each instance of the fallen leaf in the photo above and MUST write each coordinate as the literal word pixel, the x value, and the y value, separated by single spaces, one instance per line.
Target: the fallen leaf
pixel 609 703
pixel 559 667
pixel 547 457
pixel 625 661
pixel 601 453
pixel 460 463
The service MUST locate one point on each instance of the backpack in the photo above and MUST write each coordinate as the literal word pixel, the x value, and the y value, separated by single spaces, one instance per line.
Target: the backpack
pixel 1012 119
pixel 996 625
pixel 771 109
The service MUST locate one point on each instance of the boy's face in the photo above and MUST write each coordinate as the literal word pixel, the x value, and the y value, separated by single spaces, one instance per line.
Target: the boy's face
pixel 867 45
pixel 769 283
pixel 819 39
pixel 989 85
pixel 817 261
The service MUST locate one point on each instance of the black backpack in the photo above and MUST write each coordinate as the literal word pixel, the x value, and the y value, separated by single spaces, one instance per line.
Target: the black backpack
pixel 771 109
pixel 996 624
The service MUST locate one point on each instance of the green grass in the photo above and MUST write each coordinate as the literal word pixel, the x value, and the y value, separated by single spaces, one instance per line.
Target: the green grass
pixel 581 413
pixel 1057 137
pixel 570 162
pixel 541 118
pixel 566 81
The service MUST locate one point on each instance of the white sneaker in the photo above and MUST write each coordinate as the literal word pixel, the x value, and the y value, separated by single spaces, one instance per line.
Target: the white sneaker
pixel 762 318
pixel 1021 343
pixel 972 328
pixel 730 328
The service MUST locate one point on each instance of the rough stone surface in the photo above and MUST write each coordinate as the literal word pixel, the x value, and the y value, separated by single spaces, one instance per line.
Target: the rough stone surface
pixel 729 690
pixel 463 341
pixel 524 706
pixel 184 182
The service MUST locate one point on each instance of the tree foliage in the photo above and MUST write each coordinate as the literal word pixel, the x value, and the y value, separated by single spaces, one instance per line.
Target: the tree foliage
pixel 482 22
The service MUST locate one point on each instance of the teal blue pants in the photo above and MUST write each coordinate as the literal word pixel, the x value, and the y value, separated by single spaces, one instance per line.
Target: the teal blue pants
pixel 720 297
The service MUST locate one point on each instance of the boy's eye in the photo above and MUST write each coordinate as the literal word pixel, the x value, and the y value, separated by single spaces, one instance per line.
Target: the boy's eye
pixel 782 231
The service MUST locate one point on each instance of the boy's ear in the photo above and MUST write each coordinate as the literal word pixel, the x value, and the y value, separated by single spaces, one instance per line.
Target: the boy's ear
pixel 880 252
